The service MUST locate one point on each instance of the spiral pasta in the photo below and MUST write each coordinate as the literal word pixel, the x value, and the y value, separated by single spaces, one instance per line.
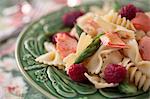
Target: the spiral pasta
pixel 138 70
pixel 140 79
pixel 127 63
pixel 113 17
pixel 144 67
pixel 107 26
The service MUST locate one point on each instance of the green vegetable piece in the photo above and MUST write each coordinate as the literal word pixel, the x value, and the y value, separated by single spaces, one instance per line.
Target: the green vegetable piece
pixel 90 50
pixel 78 30
pixel 127 88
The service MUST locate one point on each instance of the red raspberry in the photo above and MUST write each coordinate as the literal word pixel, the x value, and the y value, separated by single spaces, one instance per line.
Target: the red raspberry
pixel 69 19
pixel 129 11
pixel 114 73
pixel 76 72
pixel 53 39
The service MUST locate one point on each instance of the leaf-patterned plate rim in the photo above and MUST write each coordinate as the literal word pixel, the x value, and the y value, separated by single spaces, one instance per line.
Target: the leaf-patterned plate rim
pixel 20 66
pixel 18 57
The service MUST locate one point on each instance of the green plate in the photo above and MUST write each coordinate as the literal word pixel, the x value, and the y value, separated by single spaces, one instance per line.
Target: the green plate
pixel 50 81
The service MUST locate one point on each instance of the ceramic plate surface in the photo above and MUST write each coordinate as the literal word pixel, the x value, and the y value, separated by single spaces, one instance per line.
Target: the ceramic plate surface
pixel 50 81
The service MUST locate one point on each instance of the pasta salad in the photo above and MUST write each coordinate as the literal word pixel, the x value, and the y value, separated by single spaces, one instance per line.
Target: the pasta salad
pixel 104 48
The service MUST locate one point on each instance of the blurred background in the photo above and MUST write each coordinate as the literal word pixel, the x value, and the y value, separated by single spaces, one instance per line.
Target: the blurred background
pixel 17 14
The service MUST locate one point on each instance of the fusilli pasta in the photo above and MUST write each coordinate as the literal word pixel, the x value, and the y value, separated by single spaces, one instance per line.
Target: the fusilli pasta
pixel 144 67
pixel 110 27
pixel 126 62
pixel 114 18
pixel 140 79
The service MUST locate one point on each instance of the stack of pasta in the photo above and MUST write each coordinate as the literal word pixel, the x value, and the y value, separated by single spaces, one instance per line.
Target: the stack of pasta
pixel 119 39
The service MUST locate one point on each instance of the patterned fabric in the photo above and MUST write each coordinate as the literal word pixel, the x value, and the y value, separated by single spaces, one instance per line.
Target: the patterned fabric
pixel 12 83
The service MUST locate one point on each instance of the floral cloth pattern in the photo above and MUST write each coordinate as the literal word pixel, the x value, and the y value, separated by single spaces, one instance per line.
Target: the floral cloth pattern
pixel 12 83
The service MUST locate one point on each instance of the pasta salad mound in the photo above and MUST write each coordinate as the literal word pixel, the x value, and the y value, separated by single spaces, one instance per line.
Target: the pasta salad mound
pixel 106 49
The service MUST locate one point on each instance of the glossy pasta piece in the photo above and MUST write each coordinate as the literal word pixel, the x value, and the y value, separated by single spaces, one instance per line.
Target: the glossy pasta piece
pixel 114 18
pixel 81 21
pixel 95 62
pixel 111 56
pixel 110 27
pixel 105 26
pixel 98 82
pixel 140 79
pixel 87 24
pixel 133 51
pixel 52 57
pixel 125 33
pixel 144 67
pixel 126 62
pixel 83 42
pixel 101 58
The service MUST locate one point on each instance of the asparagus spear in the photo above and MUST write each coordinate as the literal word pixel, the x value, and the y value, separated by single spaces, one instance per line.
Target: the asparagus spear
pixel 90 50
pixel 79 30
